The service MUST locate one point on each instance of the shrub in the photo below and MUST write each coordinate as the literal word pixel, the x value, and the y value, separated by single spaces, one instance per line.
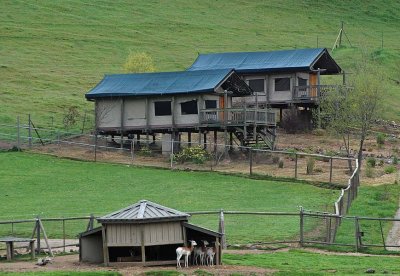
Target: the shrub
pixel 369 172
pixel 395 160
pixel 139 63
pixel 371 162
pixel 145 151
pixel 196 155
pixel 275 159
pixel 318 170
pixel 380 139
pixel 310 165
pixel 390 169
pixel 280 164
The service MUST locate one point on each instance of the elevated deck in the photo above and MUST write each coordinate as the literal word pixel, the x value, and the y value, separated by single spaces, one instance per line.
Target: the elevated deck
pixel 236 117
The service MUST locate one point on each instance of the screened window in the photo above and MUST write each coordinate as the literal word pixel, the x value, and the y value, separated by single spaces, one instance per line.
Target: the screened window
pixel 189 107
pixel 257 85
pixel 162 108
pixel 302 82
pixel 282 84
pixel 210 104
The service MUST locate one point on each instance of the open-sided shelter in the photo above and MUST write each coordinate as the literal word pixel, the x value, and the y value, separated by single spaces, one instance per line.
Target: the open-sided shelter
pixel 144 233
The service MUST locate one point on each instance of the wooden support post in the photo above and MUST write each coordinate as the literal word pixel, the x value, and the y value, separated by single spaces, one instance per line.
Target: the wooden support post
pixel 205 140
pixel 32 248
pixel 45 238
pixel 226 148
pixel 251 161
pixel 199 137
pixel 215 142
pixel 38 235
pixel 295 166
pixel 122 122
pixel 221 229
pixel 10 250
pixel 330 169
pixel 95 146
pixel 189 139
pixel 217 252
pixel 280 115
pixel 143 248
pixel 138 139
pixel 29 131
pixel 105 246
pixel 18 134
pixel 356 233
pixel 231 139
pixel 301 226
pixel 63 226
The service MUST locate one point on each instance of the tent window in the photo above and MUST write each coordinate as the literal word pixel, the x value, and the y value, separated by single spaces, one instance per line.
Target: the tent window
pixel 189 107
pixel 257 85
pixel 210 104
pixel 162 108
pixel 282 84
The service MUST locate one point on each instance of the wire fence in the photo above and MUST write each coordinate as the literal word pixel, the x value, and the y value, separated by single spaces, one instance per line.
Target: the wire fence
pixel 267 228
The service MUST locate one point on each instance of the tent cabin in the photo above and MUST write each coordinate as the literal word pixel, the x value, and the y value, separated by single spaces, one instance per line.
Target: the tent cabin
pixel 280 79
pixel 144 233
pixel 175 102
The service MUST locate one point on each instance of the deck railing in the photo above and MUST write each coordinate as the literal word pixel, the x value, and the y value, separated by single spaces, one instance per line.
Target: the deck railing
pixel 312 92
pixel 237 116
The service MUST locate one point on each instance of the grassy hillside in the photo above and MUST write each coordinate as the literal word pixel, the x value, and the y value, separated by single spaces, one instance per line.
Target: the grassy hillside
pixel 52 52
pixel 51 187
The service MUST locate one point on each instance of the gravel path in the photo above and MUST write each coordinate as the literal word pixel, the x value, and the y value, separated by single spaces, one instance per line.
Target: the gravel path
pixel 393 237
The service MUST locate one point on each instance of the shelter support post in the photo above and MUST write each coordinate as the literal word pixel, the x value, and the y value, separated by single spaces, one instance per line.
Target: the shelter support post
pixel 105 246
pixel 189 139
pixel 10 250
pixel 143 248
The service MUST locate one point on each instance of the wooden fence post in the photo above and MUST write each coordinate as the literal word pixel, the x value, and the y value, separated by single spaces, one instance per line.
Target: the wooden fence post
pixel 356 233
pixel 37 235
pixel 18 134
pixel 330 170
pixel 222 229
pixel 301 226
pixel 295 167
pixel 63 225
pixel 29 131
pixel 251 161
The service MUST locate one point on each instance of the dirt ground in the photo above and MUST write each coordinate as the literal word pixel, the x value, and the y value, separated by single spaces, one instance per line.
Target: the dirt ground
pixel 71 263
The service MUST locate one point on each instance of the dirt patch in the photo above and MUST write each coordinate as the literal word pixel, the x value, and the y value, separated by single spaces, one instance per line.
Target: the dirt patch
pixel 71 263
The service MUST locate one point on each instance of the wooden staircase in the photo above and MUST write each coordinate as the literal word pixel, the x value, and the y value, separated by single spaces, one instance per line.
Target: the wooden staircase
pixel 260 137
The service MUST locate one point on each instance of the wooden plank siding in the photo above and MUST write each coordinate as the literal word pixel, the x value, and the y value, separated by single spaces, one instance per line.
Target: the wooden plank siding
pixel 154 234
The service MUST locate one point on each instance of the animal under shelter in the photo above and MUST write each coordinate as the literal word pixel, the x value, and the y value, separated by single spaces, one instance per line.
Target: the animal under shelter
pixel 144 233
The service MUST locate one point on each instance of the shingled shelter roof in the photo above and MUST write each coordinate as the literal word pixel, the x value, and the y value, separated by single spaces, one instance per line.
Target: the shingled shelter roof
pixel 142 212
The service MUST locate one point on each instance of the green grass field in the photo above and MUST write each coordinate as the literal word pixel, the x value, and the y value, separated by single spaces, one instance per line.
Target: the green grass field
pixel 51 187
pixel 52 52
pixel 298 262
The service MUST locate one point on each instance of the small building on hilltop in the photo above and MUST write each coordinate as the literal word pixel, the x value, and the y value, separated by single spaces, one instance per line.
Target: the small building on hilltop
pixel 175 102
pixel 280 79
pixel 144 233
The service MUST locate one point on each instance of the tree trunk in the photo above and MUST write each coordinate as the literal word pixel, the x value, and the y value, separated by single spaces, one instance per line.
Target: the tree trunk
pixel 347 147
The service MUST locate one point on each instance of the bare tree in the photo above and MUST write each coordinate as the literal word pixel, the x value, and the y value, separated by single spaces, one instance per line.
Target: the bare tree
pixel 353 110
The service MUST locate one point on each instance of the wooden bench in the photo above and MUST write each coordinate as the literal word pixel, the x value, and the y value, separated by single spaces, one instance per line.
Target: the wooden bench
pixel 10 246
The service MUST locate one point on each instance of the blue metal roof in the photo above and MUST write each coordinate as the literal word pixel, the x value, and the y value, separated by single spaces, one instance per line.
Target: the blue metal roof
pixel 258 62
pixel 144 84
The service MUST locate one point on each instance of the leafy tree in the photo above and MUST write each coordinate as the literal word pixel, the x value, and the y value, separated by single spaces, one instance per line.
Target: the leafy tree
pixel 354 109
pixel 139 62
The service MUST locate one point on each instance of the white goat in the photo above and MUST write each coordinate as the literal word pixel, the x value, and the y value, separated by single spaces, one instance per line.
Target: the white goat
pixel 210 253
pixel 200 252
pixel 180 251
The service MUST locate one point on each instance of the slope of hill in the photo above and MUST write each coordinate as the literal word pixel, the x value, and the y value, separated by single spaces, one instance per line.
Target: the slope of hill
pixel 52 52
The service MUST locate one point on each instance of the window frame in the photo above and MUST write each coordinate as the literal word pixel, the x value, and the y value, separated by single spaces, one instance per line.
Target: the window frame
pixel 257 79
